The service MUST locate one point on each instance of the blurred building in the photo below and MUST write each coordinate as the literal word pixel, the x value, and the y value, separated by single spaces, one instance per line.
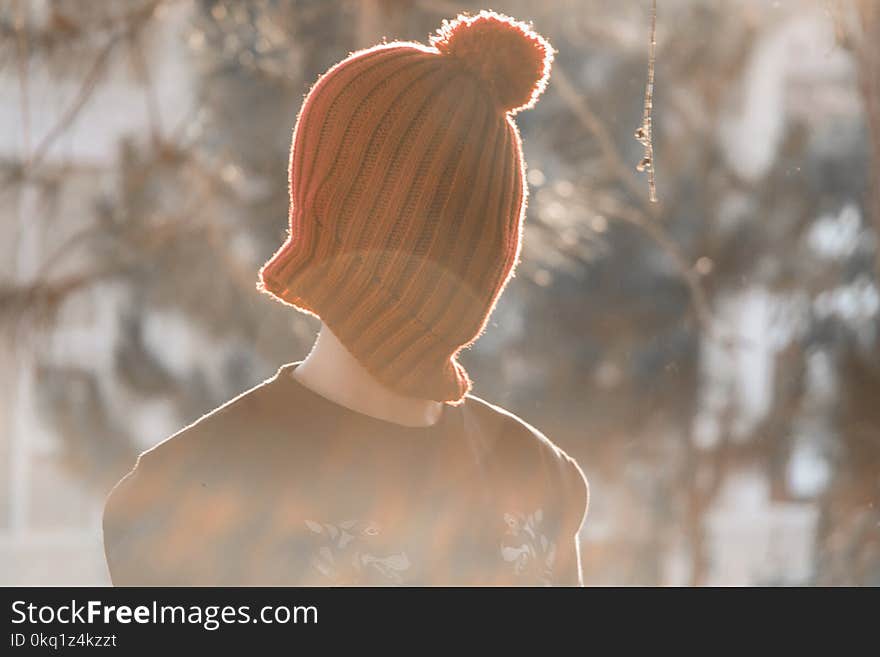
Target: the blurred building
pixel 50 519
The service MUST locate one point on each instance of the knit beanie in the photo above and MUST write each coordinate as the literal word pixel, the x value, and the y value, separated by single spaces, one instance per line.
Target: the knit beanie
pixel 408 195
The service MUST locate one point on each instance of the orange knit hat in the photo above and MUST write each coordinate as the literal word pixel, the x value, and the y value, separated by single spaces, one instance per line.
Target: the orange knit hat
pixel 408 195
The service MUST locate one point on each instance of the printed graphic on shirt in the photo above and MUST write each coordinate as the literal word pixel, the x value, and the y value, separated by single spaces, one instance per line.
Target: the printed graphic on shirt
pixel 351 552
pixel 527 548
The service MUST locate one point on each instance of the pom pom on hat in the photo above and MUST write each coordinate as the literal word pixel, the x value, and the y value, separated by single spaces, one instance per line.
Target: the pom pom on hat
pixel 512 59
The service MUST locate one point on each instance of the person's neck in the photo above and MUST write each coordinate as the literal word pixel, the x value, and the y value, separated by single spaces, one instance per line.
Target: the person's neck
pixel 332 372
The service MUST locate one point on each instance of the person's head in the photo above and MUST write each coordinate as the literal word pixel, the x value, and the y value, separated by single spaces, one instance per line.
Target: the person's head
pixel 408 196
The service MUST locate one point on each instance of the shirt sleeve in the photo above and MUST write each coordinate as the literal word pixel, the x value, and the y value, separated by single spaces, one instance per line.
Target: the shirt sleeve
pixel 576 494
pixel 126 527
pixel 175 521
pixel 153 522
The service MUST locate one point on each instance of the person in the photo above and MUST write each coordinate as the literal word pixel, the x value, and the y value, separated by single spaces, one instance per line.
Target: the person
pixel 370 462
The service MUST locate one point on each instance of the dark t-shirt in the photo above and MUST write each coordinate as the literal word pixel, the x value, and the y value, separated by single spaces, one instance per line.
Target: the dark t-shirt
pixel 282 486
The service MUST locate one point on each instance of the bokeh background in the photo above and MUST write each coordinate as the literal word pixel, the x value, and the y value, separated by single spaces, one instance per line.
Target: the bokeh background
pixel 711 360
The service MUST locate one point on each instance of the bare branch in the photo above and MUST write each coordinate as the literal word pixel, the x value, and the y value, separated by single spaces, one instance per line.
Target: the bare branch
pixel 151 100
pixel 580 107
pixel 644 134
pixel 134 23
pixel 616 210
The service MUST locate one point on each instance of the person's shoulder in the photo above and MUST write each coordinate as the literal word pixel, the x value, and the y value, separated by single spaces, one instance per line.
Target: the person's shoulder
pixel 139 508
pixel 218 429
pixel 514 432
pixel 522 446
pixel 205 444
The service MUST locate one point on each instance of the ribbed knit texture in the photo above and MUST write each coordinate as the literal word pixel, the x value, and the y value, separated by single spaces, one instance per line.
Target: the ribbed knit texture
pixel 408 198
